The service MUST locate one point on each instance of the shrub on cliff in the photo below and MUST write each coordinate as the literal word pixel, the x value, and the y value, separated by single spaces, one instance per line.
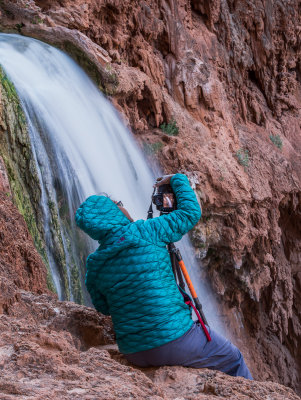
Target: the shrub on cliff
pixel 243 157
pixel 276 139
pixel 171 128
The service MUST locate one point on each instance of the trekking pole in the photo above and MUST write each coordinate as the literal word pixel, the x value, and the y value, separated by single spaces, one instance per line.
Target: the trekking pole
pixel 196 300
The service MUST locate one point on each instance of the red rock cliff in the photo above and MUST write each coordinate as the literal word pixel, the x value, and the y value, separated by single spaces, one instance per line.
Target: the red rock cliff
pixel 61 350
pixel 20 263
pixel 229 73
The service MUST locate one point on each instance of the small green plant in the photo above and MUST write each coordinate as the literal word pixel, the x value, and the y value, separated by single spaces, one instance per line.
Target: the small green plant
pixel 109 67
pixel 171 128
pixel 20 113
pixel 152 148
pixel 37 20
pixel 19 26
pixel 276 139
pixel 243 157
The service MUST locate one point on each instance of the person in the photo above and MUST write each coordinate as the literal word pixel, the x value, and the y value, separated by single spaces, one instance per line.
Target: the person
pixel 130 277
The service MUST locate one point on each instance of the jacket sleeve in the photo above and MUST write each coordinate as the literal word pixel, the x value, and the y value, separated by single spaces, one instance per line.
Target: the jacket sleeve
pixel 171 227
pixel 98 299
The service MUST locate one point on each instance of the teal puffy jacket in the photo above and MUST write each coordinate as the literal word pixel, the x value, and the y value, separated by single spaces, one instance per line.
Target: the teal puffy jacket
pixel 130 276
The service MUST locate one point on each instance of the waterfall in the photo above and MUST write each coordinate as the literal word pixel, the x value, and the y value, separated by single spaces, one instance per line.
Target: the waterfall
pixel 80 147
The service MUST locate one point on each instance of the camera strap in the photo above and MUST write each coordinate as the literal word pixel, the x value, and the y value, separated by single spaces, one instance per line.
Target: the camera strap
pixel 175 265
pixel 150 210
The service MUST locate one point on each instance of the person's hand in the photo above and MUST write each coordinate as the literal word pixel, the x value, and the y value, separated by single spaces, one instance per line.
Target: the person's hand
pixel 163 180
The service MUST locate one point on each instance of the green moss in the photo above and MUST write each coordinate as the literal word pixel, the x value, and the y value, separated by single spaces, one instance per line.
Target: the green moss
pixel 75 280
pixel 49 281
pixel 109 90
pixel 22 201
pixel 8 86
pixel 110 84
pixel 59 251
pixel 15 150
pixel 13 98
pixel 76 286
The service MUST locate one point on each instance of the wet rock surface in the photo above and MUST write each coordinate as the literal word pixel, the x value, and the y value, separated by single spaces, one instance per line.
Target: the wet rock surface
pixel 228 72
pixel 20 263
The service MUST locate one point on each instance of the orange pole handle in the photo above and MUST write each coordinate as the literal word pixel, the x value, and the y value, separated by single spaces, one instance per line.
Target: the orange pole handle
pixel 187 279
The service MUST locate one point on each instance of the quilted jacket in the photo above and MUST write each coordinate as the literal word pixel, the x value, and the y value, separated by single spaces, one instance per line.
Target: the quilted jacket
pixel 130 277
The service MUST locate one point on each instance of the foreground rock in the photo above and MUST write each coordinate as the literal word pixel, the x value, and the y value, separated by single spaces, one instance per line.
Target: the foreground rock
pixel 60 350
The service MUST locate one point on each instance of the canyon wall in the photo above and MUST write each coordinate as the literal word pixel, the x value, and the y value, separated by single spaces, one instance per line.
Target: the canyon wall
pixel 228 73
pixel 61 350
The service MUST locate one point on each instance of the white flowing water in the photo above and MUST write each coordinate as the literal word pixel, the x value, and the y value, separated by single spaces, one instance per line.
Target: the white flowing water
pixel 81 147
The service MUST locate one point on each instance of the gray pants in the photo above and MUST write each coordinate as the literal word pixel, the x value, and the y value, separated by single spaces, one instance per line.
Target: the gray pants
pixel 193 350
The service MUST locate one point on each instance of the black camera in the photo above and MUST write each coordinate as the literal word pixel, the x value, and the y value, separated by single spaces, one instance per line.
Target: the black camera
pixel 164 199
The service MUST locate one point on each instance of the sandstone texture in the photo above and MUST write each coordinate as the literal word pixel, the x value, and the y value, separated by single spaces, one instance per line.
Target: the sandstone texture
pixel 20 263
pixel 61 350
pixel 228 72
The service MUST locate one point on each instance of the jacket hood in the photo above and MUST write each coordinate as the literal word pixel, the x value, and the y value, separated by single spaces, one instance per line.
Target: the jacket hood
pixel 100 217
